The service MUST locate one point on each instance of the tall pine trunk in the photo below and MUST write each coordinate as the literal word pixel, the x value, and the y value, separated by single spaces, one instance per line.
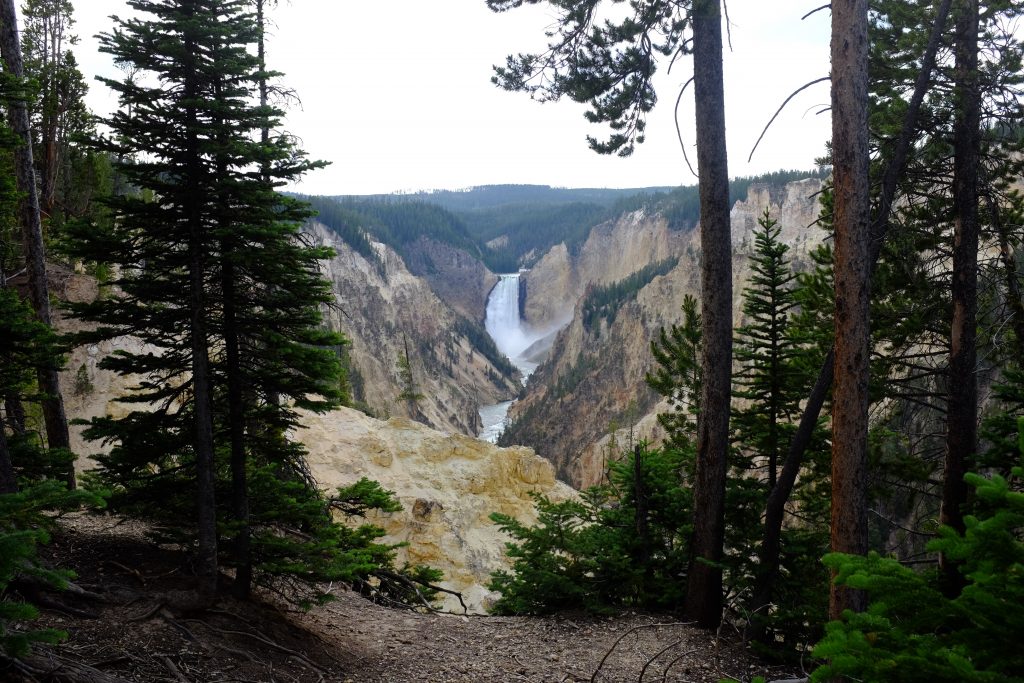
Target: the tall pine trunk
pixel 852 289
pixel 202 394
pixel 236 428
pixel 775 508
pixel 8 481
pixel 54 417
pixel 962 409
pixel 704 589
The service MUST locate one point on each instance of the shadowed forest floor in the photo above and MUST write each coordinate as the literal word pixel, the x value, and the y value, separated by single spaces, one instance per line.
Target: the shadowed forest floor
pixel 139 633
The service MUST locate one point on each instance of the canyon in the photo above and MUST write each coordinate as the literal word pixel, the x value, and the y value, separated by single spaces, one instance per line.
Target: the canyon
pixel 584 396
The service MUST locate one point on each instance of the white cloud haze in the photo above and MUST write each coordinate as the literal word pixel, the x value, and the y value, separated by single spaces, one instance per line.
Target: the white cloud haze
pixel 397 95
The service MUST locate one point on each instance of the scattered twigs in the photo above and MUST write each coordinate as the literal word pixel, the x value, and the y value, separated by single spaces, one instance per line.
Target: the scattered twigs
pixel 633 630
pixel 657 655
pixel 134 572
pixel 175 671
pixel 664 674
pixel 148 613
pixel 414 585
pixel 47 665
pixel 261 638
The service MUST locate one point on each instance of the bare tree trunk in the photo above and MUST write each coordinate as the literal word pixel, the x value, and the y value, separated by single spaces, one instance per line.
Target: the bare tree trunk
pixel 852 287
pixel 15 413
pixel 704 589
pixel 962 409
pixel 57 435
pixel 236 426
pixel 776 506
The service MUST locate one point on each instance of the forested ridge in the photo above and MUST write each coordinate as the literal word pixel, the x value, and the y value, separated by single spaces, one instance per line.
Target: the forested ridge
pixel 840 486
pixel 511 226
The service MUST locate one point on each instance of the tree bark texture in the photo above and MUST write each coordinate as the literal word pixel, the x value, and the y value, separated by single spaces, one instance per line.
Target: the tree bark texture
pixel 776 506
pixel 236 421
pixel 54 417
pixel 8 481
pixel 704 589
pixel 962 408
pixel 852 289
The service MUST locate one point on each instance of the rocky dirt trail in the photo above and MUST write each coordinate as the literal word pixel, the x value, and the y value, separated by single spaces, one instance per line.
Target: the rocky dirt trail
pixel 138 633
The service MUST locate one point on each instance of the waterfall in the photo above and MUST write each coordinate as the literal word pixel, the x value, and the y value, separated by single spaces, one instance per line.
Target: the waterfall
pixel 512 339
pixel 502 320
pixel 505 326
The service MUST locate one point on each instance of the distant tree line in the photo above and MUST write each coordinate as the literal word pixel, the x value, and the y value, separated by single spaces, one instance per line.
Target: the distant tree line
pixel 346 224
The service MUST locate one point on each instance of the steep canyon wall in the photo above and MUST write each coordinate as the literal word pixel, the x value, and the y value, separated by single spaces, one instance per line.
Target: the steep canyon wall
pixel 589 398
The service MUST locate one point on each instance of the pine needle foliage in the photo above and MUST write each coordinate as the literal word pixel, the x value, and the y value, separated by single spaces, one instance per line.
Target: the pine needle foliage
pixel 677 375
pixel 223 293
pixel 621 545
pixel 34 491
pixel 911 630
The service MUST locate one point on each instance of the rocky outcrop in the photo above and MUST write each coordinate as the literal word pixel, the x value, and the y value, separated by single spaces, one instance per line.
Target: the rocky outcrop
pixel 592 385
pixel 384 309
pixel 448 486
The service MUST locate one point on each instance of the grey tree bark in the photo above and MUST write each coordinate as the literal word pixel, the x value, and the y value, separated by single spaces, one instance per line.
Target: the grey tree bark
pixel 704 587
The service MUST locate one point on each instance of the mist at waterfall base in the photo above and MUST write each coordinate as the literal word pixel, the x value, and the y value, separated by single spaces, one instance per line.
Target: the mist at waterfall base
pixel 512 339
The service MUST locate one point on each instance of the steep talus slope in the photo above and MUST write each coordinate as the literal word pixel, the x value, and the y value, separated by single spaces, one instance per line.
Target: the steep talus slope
pixel 447 484
pixel 457 277
pixel 384 309
pixel 592 383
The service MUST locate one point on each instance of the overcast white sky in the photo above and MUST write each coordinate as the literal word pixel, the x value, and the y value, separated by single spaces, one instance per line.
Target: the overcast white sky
pixel 397 95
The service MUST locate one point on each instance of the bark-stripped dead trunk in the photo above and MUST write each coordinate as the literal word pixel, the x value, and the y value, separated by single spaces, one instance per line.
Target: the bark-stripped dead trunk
pixel 852 288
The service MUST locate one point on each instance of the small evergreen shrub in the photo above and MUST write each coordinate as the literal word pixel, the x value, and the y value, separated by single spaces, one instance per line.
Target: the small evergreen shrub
pixel 623 544
pixel 911 630
pixel 26 519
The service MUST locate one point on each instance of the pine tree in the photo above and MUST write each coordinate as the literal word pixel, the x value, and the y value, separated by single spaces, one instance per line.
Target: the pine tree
pixel 58 112
pixel 764 352
pixel 677 377
pixel 32 243
pixel 214 276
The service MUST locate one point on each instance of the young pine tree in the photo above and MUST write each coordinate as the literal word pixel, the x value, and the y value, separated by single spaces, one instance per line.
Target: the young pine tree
pixel 765 353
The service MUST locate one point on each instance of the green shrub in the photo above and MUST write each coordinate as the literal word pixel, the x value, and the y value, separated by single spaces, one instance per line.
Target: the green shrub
pixel 911 630
pixel 622 544
pixel 26 518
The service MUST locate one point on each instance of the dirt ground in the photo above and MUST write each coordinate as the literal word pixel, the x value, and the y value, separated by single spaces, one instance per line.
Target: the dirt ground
pixel 131 629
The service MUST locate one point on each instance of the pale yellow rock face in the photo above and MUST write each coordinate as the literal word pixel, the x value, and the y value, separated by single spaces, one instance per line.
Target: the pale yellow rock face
pixel 384 311
pixel 448 485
